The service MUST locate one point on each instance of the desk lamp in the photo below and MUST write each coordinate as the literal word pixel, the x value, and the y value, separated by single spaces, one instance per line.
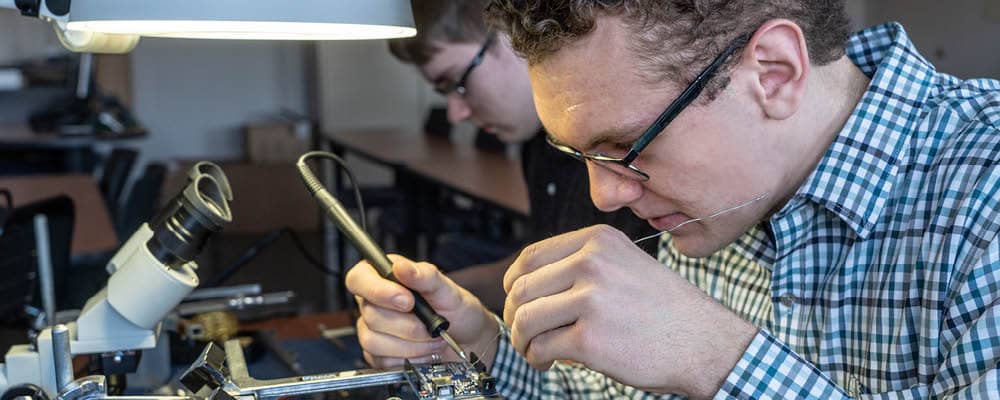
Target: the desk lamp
pixel 115 26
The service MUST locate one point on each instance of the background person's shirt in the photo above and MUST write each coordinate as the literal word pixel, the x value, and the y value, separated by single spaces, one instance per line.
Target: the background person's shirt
pixel 883 269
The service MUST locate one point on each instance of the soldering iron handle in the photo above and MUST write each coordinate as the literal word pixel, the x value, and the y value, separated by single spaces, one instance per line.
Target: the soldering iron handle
pixel 434 322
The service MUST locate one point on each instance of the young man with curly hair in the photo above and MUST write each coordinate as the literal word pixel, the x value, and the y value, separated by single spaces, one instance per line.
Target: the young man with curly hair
pixel 863 180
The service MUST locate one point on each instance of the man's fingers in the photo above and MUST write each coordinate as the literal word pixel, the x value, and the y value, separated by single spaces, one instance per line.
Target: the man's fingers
pixel 426 279
pixel 370 359
pixel 554 249
pixel 364 281
pixel 382 345
pixel 558 344
pixel 402 325
pixel 546 281
pixel 545 314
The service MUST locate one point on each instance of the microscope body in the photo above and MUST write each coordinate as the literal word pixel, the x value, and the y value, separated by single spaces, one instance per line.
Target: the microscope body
pixel 123 316
pixel 150 275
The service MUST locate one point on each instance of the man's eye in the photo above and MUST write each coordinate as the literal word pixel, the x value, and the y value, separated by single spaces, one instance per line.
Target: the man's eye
pixel 612 149
pixel 622 146
pixel 443 86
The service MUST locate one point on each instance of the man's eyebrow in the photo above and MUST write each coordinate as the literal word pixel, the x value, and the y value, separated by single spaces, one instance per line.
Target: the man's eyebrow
pixel 625 133
pixel 622 134
pixel 446 76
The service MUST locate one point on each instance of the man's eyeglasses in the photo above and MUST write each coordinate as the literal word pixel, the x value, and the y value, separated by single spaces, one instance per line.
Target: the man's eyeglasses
pixel 445 87
pixel 623 165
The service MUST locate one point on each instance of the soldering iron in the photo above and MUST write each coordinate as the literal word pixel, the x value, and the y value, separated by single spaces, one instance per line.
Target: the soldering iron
pixel 437 326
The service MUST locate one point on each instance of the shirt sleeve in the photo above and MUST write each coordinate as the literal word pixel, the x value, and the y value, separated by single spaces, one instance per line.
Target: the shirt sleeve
pixel 770 370
pixel 516 379
pixel 970 352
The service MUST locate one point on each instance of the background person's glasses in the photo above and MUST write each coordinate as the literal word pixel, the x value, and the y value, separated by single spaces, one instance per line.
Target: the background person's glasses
pixel 623 166
pixel 445 87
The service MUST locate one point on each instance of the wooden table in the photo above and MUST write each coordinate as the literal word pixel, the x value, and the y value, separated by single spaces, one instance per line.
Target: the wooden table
pixel 491 179
pixel 92 231
pixel 487 176
pixel 301 326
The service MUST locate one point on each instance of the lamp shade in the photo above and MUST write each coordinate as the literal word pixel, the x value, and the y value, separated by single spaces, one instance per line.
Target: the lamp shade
pixel 246 19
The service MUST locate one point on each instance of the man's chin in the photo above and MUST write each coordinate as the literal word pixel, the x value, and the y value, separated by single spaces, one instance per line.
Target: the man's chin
pixel 696 245
pixel 509 137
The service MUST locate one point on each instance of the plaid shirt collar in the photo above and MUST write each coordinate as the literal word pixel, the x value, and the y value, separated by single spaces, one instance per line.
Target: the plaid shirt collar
pixel 856 175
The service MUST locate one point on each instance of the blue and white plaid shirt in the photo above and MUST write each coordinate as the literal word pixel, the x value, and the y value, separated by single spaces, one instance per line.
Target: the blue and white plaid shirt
pixel 881 277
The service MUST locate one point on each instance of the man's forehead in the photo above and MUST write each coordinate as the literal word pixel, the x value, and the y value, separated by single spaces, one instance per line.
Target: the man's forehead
pixel 590 90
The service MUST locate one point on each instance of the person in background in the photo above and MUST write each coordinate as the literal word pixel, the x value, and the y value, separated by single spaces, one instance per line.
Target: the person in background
pixel 485 83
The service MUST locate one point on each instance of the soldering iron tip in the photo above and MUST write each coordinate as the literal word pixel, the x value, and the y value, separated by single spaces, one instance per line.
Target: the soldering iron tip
pixel 454 346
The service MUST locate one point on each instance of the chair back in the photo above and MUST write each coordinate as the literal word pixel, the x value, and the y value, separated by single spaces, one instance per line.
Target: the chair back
pixel 18 252
pixel 117 168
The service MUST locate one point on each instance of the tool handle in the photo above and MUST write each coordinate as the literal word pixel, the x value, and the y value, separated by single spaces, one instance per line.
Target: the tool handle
pixel 434 322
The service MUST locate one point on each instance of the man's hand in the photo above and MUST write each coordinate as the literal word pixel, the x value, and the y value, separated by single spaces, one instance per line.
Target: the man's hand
pixel 389 332
pixel 593 297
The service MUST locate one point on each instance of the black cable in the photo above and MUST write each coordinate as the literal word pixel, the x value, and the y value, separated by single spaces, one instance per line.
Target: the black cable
pixel 350 175
pixel 309 257
pixel 244 259
pixel 254 250
pixel 8 197
pixel 273 236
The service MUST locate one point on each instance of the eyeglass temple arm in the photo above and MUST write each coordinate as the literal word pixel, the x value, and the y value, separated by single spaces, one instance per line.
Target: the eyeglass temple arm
pixel 689 94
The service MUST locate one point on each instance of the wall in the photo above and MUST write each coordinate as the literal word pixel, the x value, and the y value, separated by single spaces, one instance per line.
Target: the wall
pixel 194 95
pixel 958 37
pixel 363 87
pixel 24 38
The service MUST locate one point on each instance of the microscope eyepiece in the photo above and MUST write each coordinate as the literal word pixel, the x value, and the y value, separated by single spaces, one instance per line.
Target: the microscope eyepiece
pixel 183 227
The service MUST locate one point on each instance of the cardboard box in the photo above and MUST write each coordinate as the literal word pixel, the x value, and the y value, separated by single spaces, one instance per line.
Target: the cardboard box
pixel 277 142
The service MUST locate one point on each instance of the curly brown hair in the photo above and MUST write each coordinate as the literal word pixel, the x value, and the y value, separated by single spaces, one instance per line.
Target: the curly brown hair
pixel 437 21
pixel 673 39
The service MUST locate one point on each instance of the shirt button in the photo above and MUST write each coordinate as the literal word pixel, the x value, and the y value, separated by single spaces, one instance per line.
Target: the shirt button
pixel 551 189
pixel 788 300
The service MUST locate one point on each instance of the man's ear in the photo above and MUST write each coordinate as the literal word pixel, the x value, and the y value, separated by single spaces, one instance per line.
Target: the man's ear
pixel 778 58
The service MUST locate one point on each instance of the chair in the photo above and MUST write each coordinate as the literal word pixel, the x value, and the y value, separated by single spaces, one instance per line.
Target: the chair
pixel 19 265
pixel 117 167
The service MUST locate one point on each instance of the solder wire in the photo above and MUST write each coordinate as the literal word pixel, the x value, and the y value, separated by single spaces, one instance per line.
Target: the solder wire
pixel 693 220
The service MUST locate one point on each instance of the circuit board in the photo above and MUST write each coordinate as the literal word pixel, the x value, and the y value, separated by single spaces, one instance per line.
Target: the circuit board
pixel 451 381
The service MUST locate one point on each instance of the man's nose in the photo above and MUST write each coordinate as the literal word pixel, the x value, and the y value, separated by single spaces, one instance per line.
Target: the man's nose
pixel 458 109
pixel 610 190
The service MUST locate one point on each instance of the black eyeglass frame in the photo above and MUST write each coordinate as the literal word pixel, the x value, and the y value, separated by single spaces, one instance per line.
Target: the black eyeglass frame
pixel 672 111
pixel 460 85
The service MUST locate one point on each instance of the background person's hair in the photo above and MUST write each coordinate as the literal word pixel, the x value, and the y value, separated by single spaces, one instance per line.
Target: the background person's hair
pixel 440 21
pixel 673 39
